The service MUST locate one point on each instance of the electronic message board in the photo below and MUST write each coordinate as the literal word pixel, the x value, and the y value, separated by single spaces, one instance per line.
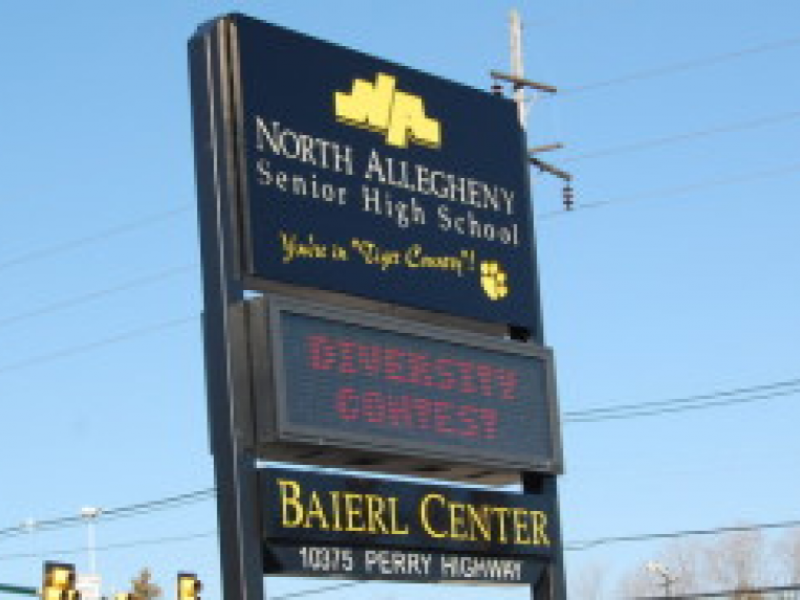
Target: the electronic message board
pixel 362 176
pixel 342 380
pixel 315 524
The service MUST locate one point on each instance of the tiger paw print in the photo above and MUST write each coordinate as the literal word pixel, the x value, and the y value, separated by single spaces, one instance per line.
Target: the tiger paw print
pixel 494 280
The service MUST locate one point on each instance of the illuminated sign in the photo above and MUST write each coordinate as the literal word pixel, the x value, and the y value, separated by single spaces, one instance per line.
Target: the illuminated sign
pixel 332 524
pixel 345 380
pixel 365 177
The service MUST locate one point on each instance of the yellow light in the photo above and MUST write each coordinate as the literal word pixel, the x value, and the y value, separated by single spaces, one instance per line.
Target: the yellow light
pixel 59 577
pixel 59 582
pixel 189 587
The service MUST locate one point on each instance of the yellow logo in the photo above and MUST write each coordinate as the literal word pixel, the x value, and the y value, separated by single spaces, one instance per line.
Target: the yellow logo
pixel 494 280
pixel 382 108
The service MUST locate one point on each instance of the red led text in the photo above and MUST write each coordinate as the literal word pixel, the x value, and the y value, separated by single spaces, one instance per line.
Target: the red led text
pixel 404 366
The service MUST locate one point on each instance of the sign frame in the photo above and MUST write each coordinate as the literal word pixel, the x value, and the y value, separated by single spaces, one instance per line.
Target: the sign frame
pixel 213 55
pixel 278 438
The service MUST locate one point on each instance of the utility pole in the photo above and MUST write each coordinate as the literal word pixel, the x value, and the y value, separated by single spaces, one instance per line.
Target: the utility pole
pixel 90 514
pixel 552 583
pixel 518 82
pixel 517 68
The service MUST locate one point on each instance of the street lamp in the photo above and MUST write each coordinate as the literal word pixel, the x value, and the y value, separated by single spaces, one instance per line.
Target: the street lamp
pixel 90 514
pixel 658 569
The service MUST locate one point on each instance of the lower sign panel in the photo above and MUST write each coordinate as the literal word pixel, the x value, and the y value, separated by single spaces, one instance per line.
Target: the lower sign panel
pixel 368 528
pixel 355 562
pixel 303 507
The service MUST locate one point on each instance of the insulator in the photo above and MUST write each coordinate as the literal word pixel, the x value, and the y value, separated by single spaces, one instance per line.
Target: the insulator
pixel 569 197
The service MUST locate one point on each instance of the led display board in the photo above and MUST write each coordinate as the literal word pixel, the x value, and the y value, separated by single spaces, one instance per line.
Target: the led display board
pixel 338 379
pixel 317 524
pixel 362 176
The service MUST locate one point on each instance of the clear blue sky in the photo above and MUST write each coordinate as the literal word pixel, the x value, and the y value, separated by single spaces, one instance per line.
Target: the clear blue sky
pixel 663 297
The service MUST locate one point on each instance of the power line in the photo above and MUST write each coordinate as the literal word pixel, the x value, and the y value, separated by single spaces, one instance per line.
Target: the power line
pixel 675 409
pixel 717 398
pixel 15 530
pixel 643 537
pixel 117 546
pixel 145 508
pixel 207 493
pixel 604 413
pixel 320 590
pixel 94 295
pixel 82 348
pixel 573 546
pixel 131 510
pixel 149 220
pixel 170 540
pixel 65 352
pixel 611 412
pixel 682 66
pixel 705 396
pixel 682 137
pixel 699 401
pixel 158 217
pixel 674 191
pixel 728 594
pixel 95 237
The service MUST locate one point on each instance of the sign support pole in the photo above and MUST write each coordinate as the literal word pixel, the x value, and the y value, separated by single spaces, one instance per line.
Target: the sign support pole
pixel 552 584
pixel 234 465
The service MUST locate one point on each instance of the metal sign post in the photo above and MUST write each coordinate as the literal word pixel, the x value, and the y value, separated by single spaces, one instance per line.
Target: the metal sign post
pixel 234 466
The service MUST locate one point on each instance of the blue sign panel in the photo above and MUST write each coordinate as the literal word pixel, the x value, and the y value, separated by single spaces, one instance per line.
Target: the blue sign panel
pixel 365 177
pixel 324 524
